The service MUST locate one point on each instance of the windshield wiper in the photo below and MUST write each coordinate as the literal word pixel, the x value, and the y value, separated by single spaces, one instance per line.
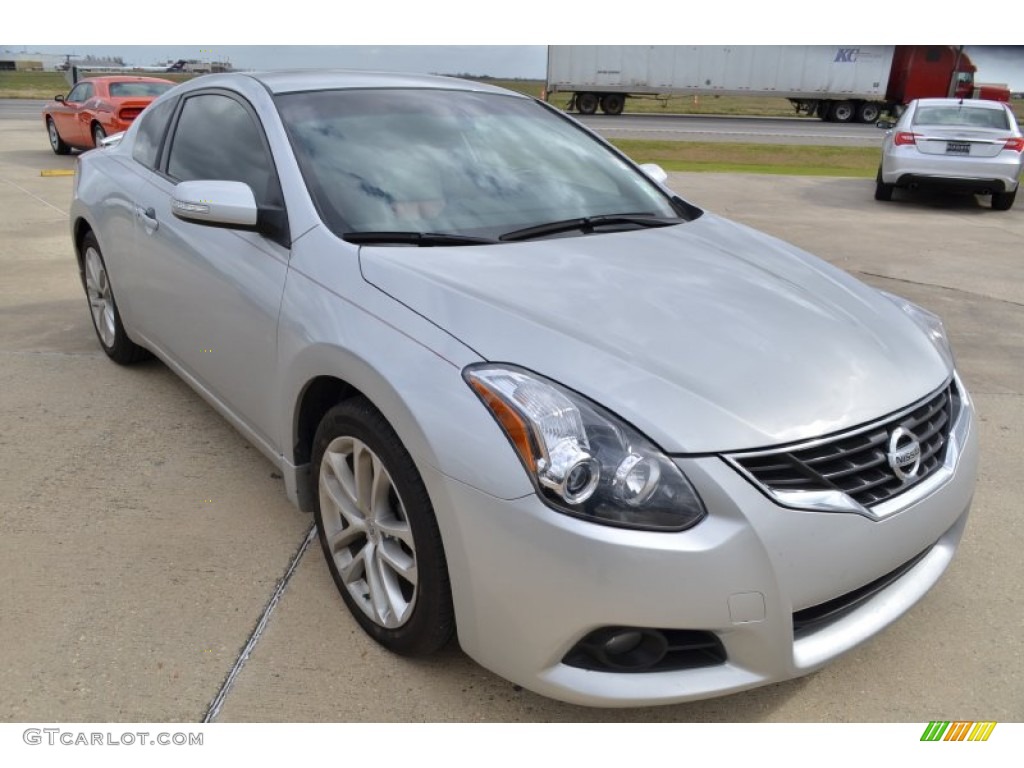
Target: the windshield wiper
pixel 589 223
pixel 421 239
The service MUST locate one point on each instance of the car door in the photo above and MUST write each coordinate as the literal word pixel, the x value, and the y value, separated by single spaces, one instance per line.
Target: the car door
pixel 212 295
pixel 68 119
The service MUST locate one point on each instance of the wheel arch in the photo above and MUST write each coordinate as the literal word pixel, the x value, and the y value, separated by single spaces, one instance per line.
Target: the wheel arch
pixel 318 396
pixel 80 228
pixel 437 417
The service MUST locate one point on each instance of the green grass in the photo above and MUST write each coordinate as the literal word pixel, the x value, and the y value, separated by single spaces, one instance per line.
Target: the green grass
pixel 46 85
pixel 727 157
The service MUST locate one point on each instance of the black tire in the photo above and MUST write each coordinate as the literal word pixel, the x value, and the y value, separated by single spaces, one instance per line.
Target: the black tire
pixel 429 623
pixel 56 142
pixel 1003 201
pixel 113 339
pixel 613 103
pixel 868 112
pixel 587 103
pixel 883 191
pixel 97 134
pixel 842 111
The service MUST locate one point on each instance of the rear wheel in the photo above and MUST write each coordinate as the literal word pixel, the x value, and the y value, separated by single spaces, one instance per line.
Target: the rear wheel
pixel 1003 201
pixel 883 191
pixel 587 103
pixel 378 531
pixel 106 320
pixel 98 134
pixel 613 103
pixel 56 142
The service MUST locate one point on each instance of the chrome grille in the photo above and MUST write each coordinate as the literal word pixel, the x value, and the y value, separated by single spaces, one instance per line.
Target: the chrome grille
pixel 856 462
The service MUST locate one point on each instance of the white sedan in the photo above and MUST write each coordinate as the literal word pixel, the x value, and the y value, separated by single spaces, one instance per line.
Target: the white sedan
pixel 960 145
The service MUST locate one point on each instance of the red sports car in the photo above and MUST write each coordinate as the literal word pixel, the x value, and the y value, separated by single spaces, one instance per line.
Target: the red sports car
pixel 98 107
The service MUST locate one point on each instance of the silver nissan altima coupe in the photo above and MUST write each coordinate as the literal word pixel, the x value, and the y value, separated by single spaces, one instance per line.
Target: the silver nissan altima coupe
pixel 629 451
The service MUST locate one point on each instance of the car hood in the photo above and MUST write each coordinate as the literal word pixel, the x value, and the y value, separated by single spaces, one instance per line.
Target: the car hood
pixel 708 336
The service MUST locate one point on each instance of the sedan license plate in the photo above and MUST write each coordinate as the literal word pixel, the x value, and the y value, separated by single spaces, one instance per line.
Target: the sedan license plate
pixel 958 148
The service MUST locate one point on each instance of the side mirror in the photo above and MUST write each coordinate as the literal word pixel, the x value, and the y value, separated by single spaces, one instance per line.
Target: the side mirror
pixel 654 172
pixel 59 98
pixel 885 125
pixel 217 203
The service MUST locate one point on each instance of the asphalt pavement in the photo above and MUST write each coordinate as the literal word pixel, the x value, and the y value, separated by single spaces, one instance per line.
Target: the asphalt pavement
pixel 141 538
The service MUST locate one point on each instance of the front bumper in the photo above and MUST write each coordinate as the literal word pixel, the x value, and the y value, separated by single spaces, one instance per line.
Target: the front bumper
pixel 530 583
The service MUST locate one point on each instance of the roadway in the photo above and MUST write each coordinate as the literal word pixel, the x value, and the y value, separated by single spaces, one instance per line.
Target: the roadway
pixel 763 130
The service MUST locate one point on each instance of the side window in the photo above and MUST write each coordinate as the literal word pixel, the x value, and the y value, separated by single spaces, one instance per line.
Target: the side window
pixel 81 92
pixel 152 126
pixel 217 138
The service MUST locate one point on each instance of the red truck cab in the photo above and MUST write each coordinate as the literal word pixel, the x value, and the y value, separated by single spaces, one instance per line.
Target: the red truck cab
pixel 923 71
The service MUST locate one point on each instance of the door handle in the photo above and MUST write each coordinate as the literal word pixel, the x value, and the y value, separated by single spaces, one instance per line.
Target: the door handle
pixel 148 216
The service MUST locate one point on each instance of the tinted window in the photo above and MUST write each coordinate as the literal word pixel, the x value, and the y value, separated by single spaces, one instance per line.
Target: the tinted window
pixel 454 162
pixel 152 125
pixel 962 116
pixel 217 138
pixel 151 90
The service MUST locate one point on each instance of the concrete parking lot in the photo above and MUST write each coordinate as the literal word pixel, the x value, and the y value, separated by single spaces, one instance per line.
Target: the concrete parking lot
pixel 141 538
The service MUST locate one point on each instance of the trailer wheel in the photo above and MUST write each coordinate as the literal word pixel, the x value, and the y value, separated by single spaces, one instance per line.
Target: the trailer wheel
pixel 586 103
pixel 868 111
pixel 842 111
pixel 613 103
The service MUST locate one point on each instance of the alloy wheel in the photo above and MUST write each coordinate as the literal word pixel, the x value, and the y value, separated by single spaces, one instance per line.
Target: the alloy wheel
pixel 367 532
pixel 101 300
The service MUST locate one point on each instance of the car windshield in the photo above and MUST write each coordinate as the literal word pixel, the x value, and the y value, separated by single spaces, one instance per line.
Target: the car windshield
pixel 962 116
pixel 455 163
pixel 151 90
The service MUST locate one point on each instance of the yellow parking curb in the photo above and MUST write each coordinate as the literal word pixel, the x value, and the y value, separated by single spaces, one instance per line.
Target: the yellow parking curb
pixel 58 172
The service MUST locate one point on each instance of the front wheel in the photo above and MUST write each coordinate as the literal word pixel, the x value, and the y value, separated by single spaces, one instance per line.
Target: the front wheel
pixel 378 531
pixel 1003 201
pixel 56 142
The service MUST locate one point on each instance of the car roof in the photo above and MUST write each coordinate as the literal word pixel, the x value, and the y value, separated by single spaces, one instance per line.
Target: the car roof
pixel 293 81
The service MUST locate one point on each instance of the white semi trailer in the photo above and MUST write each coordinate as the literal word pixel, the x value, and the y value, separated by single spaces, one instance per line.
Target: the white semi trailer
pixel 836 83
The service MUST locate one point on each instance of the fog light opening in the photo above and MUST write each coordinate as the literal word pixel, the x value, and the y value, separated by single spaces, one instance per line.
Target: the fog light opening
pixel 629 649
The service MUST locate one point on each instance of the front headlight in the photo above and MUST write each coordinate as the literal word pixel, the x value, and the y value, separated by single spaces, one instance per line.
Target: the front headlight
pixel 583 460
pixel 928 322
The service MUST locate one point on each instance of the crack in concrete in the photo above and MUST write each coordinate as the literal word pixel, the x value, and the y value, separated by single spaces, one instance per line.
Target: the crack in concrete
pixel 47 353
pixel 261 625
pixel 1011 302
pixel 37 197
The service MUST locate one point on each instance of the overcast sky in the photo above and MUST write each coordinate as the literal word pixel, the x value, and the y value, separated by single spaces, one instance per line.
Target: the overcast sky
pixel 996 64
pixel 474 37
